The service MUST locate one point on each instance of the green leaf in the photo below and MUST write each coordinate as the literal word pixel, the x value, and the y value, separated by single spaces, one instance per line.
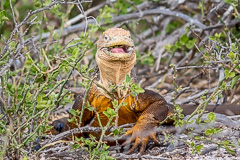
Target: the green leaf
pixel 110 113
pixel 226 72
pixel 71 120
pixel 37 3
pixel 232 74
pixel 12 44
pixel 42 66
pixel 90 108
pixel 174 48
pixel 190 44
pixel 198 148
pixel 136 89
pixel 218 35
pixel 178 45
pixel 231 55
pixel 9 86
pixel 198 120
pixel 212 38
pixel 223 86
pixel 75 53
pixel 91 70
pixel 209 132
pixel 172 26
pixel 184 38
pixel 10 110
pixel 179 88
pixel 115 131
pixel 197 138
pixel 3 17
pixel 211 117
pixel 128 78
pixel 168 47
pixel 203 97
pixel 234 81
pixel 84 68
pixel 181 116
pixel 39 98
pixel 19 97
pixel 105 147
pixel 25 158
pixel 55 74
pixel 73 112
pixel 115 103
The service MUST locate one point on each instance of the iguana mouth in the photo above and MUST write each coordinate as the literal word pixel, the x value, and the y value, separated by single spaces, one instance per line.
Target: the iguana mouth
pixel 118 50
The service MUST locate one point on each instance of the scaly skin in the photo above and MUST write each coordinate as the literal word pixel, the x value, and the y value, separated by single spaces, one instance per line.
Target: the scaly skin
pixel 148 109
pixel 143 111
pixel 113 69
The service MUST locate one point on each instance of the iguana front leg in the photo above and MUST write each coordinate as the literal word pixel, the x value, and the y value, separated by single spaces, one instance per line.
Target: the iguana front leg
pixel 154 110
pixel 62 125
pixel 87 115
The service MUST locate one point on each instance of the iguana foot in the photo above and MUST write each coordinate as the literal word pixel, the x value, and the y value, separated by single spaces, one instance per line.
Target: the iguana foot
pixel 140 135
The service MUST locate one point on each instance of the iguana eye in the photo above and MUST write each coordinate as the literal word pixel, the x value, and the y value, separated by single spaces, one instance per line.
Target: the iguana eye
pixel 106 37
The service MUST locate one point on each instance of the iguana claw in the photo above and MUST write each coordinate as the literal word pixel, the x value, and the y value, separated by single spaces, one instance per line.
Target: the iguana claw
pixel 140 135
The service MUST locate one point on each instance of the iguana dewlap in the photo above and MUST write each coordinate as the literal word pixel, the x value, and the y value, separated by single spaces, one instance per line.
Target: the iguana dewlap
pixel 115 58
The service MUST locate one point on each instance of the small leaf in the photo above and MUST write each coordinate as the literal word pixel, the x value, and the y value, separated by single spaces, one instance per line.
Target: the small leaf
pixel 55 74
pixel 105 147
pixel 75 53
pixel 39 99
pixel 3 17
pixel 110 112
pixel 90 108
pixel 218 35
pixel 91 70
pixel 231 55
pixel 19 97
pixel 178 45
pixel 174 48
pixel 115 103
pixel 190 44
pixel 232 74
pixel 226 72
pixel 208 132
pixel 69 120
pixel 128 78
pixel 212 38
pixel 25 158
pixel 198 148
pixel 184 38
pixel 115 132
pixel 211 117
pixel 168 47
pixel 234 81
pixel 73 112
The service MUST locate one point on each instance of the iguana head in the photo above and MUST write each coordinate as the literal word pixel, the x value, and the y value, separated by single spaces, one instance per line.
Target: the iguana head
pixel 116 44
pixel 115 57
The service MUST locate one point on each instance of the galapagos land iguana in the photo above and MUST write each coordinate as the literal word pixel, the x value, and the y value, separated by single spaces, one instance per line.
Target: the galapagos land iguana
pixel 115 58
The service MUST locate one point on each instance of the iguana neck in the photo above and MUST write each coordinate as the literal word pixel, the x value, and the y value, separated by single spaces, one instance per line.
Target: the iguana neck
pixel 113 73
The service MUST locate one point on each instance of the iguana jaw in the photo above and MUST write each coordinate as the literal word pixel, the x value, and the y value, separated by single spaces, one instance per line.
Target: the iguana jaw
pixel 118 51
